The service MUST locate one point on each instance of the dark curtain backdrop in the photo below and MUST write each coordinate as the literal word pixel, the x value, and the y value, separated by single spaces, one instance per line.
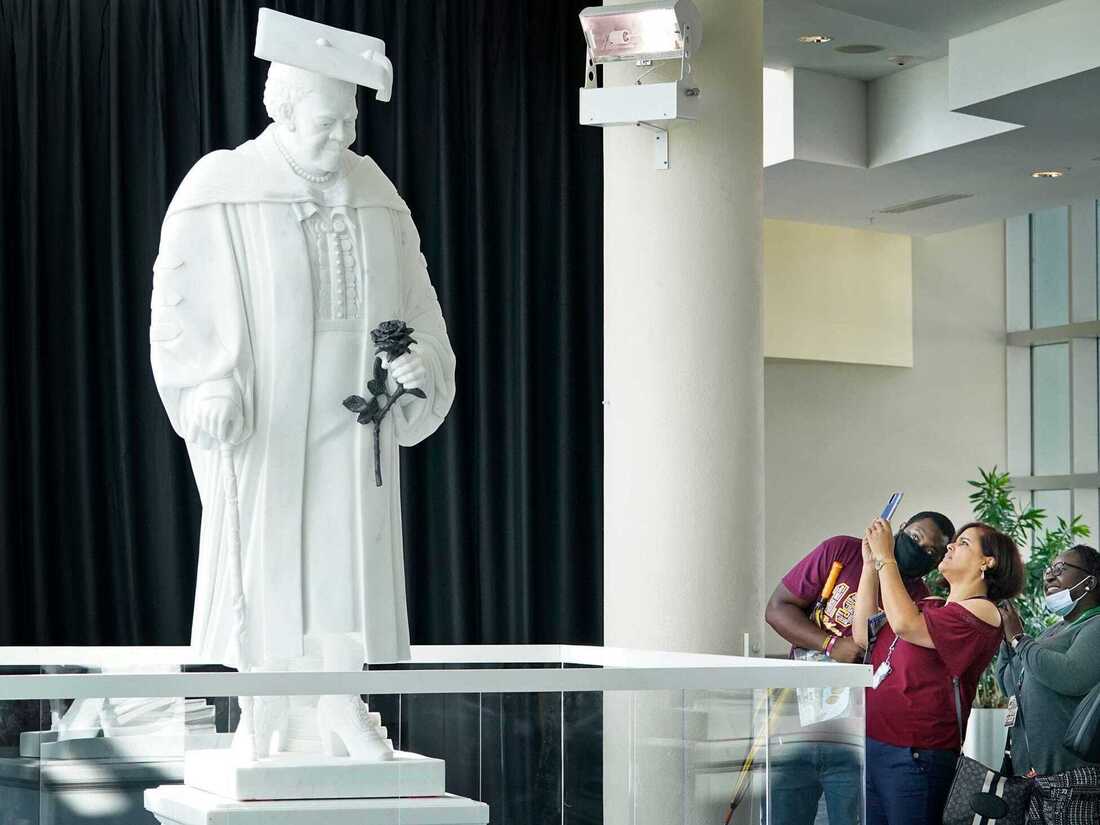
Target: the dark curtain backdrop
pixel 106 104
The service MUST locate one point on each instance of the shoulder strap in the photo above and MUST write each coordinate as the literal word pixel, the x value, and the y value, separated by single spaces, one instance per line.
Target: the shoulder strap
pixel 958 707
pixel 1006 760
pixel 1020 721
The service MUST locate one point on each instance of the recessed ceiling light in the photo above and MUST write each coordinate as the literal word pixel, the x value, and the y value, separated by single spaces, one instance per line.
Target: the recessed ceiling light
pixel 1048 173
pixel 859 48
pixel 815 39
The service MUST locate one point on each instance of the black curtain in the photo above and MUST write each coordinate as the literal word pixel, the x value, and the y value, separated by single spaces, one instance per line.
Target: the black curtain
pixel 106 104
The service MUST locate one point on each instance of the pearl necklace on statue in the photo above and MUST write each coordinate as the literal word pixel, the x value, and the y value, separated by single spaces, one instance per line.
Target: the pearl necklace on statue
pixel 296 167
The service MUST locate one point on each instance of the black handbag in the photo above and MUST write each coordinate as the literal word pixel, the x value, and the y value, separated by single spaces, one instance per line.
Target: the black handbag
pixel 985 796
pixel 1083 735
pixel 1068 798
pixel 981 795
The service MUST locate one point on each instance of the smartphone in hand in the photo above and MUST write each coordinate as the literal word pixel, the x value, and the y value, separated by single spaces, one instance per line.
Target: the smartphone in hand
pixel 891 506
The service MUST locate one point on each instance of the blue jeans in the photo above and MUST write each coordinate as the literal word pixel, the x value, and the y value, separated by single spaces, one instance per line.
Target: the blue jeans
pixel 907 786
pixel 799 774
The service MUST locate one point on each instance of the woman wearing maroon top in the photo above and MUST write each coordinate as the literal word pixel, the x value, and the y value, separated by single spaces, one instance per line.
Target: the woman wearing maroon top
pixel 920 654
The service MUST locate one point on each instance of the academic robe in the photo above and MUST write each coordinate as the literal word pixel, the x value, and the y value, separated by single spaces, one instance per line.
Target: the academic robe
pixel 233 316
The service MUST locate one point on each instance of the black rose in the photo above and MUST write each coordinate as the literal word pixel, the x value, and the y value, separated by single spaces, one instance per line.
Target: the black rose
pixel 392 338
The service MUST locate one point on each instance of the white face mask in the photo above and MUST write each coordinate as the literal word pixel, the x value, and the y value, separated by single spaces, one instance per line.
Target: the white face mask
pixel 1062 602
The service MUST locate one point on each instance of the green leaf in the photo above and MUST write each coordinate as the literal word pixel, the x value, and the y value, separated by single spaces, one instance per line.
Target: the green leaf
pixel 993 501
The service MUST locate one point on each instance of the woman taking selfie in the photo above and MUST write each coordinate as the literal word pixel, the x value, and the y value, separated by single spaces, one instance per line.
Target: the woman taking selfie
pixel 928 658
pixel 1048 676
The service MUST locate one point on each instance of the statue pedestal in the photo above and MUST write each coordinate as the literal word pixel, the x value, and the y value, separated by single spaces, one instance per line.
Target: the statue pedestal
pixel 180 805
pixel 313 776
pixel 132 747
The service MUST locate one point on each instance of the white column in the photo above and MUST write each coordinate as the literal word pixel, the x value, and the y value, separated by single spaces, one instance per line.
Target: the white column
pixel 683 416
pixel 683 361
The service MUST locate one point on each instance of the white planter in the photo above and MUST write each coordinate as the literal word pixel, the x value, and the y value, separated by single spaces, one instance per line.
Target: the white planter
pixel 985 736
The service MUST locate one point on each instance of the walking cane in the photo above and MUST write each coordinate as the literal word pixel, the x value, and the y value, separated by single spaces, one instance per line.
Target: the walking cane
pixel 817 616
pixel 244 742
pixel 744 775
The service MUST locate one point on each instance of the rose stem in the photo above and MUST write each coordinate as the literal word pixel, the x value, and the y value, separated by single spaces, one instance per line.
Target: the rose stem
pixel 378 435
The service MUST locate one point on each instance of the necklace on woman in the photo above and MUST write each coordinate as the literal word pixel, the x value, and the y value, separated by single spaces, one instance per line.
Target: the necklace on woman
pixel 325 177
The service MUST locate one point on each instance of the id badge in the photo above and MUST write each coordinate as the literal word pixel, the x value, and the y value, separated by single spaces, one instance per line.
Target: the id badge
pixel 881 672
pixel 1011 712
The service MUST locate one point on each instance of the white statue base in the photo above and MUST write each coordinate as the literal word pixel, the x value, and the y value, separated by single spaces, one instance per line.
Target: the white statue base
pixel 31 741
pixel 312 776
pixel 134 748
pixel 180 805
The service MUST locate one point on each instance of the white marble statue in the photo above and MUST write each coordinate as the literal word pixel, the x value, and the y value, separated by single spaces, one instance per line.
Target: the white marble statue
pixel 276 260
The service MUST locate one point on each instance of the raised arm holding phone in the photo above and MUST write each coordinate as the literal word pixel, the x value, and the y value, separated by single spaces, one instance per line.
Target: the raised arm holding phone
pixel 928 659
pixel 814 608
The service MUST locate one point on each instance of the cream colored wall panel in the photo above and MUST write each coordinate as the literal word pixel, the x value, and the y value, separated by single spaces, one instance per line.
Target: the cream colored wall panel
pixel 837 294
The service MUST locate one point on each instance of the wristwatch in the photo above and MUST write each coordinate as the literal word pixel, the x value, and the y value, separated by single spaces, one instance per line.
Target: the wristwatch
pixel 1016 640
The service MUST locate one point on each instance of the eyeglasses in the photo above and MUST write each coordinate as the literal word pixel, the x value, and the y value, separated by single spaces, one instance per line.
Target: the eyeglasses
pixel 1059 567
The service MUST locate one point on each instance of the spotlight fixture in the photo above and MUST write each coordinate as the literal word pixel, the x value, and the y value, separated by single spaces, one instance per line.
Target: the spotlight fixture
pixel 815 39
pixel 654 30
pixel 647 34
pixel 1048 173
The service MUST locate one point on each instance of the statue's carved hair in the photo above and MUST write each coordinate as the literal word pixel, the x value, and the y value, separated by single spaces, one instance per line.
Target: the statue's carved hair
pixel 282 89
pixel 286 85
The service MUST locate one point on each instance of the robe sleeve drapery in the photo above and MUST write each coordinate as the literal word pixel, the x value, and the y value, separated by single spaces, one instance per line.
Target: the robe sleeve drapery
pixel 419 418
pixel 198 335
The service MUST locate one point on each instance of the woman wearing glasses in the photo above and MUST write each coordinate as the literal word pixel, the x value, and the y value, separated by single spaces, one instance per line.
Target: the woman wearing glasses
pixel 1047 677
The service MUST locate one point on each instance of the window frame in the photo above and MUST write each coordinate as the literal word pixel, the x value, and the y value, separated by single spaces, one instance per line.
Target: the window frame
pixel 1082 334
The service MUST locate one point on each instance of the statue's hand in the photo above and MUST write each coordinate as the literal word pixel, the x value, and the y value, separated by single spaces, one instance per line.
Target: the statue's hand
pixel 409 370
pixel 218 418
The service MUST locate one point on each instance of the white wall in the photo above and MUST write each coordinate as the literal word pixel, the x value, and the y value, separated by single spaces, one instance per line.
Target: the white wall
pixel 814 116
pixel 840 438
pixel 908 115
pixel 830 118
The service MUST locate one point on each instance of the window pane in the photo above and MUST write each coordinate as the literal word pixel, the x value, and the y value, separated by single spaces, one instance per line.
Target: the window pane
pixel 1050 267
pixel 1050 409
pixel 1057 503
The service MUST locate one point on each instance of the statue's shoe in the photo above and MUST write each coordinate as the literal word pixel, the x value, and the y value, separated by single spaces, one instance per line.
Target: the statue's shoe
pixel 348 728
pixel 271 717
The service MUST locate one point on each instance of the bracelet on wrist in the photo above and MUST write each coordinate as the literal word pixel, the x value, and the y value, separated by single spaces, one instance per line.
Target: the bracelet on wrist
pixel 881 563
pixel 830 644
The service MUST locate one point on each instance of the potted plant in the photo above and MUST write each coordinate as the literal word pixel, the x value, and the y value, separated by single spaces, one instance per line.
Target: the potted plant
pixel 993 502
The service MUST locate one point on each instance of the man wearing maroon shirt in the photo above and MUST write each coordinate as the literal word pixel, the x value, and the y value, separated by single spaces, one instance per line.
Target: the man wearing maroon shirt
pixel 823 759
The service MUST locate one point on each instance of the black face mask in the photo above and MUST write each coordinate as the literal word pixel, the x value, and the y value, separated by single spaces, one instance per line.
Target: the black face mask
pixel 913 561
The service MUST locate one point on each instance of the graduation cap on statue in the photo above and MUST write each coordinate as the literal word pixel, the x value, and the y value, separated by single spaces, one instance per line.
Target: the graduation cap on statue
pixel 326 50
